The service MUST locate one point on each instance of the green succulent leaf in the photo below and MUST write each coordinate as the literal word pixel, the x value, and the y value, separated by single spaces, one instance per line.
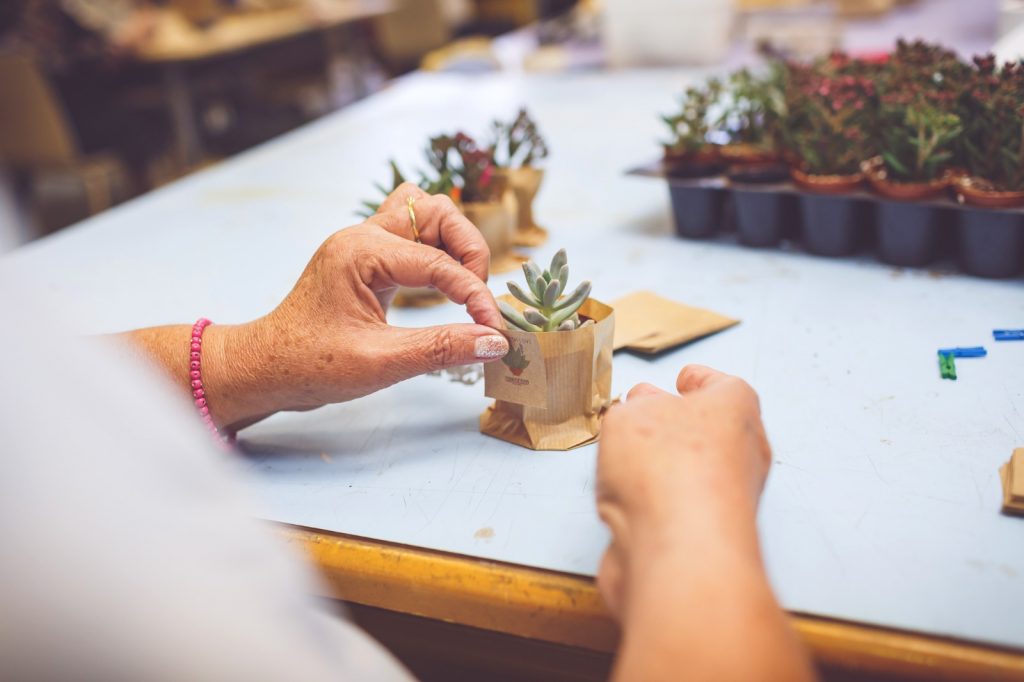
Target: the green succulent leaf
pixel 515 318
pixel 535 317
pixel 526 298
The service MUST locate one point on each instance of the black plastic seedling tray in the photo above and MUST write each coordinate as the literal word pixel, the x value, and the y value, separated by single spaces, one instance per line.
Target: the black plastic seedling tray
pixel 987 242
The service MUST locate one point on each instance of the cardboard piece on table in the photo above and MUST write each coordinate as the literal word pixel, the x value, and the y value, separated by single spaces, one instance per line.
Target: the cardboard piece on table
pixel 648 323
pixel 552 392
pixel 1012 477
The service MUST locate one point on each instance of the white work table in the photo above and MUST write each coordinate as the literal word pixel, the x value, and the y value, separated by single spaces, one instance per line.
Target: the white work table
pixel 883 502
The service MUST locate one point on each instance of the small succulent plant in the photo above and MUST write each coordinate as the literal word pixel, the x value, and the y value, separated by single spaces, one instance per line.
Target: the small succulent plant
pixel 547 309
pixel 517 144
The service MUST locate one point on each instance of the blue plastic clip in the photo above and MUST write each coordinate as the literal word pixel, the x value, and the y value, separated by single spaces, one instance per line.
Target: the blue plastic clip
pixel 1008 334
pixel 973 352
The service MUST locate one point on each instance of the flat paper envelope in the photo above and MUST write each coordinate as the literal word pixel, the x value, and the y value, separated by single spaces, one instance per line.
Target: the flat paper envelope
pixel 648 323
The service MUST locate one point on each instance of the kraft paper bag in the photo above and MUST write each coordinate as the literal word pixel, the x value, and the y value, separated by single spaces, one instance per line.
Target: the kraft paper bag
pixel 553 387
pixel 496 221
pixel 525 183
pixel 648 323
pixel 1011 475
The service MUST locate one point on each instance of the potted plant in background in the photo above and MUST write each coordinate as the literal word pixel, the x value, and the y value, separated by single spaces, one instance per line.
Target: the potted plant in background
pixel 917 133
pixel 484 197
pixel 993 153
pixel 689 153
pixel 751 115
pixel 553 387
pixel 828 133
pixel 516 148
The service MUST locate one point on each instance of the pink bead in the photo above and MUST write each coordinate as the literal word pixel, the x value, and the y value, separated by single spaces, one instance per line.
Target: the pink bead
pixel 205 411
pixel 194 365
pixel 198 393
pixel 196 347
pixel 195 374
pixel 201 402
pixel 197 384
pixel 194 355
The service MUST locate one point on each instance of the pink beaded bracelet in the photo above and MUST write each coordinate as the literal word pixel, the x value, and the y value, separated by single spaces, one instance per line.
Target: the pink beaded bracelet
pixel 195 375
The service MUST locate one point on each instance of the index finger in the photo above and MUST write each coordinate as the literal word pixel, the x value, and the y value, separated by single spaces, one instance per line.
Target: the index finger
pixel 409 264
pixel 440 224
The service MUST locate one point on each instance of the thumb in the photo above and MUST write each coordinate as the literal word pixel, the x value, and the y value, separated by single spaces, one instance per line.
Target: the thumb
pixel 418 351
pixel 643 389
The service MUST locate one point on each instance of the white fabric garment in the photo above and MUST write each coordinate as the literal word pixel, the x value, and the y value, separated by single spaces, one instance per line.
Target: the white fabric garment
pixel 128 550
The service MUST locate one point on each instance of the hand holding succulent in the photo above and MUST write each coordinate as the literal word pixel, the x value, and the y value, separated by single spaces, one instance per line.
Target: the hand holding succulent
pixel 547 309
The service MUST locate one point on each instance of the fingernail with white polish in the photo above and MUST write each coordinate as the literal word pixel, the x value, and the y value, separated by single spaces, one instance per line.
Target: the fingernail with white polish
pixel 490 347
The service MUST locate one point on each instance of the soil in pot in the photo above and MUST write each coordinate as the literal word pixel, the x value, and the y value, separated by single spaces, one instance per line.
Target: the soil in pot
pixel 760 212
pixel 977 192
pixel 908 232
pixel 991 243
pixel 699 211
pixel 734 154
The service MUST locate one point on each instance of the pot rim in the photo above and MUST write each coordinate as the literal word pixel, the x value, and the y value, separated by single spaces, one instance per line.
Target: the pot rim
pixel 877 177
pixel 826 184
pixel 970 193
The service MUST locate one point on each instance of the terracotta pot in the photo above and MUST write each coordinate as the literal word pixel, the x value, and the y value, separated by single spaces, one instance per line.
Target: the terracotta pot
pixel 758 173
pixel 496 221
pixel 707 161
pixel 525 183
pixel 831 223
pixel 827 184
pixel 748 153
pixel 978 192
pixel 877 177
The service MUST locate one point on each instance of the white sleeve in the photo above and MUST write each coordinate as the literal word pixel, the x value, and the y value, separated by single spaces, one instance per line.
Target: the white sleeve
pixel 129 551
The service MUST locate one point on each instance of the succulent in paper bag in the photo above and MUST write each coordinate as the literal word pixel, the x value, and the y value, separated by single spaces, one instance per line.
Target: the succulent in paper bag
pixel 547 310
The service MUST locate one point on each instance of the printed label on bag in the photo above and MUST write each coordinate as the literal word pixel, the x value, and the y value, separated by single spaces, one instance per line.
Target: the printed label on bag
pixel 520 376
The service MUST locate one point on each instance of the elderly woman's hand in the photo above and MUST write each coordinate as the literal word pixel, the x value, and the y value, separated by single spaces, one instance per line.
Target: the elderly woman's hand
pixel 329 340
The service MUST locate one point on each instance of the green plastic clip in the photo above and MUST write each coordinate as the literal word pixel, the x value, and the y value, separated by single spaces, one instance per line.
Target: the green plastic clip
pixel 947 366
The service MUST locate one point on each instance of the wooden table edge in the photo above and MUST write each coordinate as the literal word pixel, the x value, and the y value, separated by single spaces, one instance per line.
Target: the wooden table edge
pixel 296 24
pixel 566 609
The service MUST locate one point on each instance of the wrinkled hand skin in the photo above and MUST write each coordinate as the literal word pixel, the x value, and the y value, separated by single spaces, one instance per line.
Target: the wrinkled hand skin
pixel 329 340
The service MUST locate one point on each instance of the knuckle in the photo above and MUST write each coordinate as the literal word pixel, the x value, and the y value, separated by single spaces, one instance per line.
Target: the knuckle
pixel 443 349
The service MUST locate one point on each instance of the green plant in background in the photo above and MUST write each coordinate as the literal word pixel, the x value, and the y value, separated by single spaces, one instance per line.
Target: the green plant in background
pixel 918 127
pixel 547 310
pixel 831 117
pixel 517 144
pixel 690 126
pixel 753 108
pixel 992 110
pixel 397 178
pixel 919 146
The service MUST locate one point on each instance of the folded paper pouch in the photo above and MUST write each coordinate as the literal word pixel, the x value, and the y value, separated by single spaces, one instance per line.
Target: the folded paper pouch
pixel 1011 475
pixel 552 388
pixel 648 323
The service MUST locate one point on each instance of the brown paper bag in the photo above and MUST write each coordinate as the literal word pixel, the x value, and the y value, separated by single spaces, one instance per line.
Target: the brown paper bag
pixel 648 323
pixel 553 387
pixel 525 183
pixel 496 222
